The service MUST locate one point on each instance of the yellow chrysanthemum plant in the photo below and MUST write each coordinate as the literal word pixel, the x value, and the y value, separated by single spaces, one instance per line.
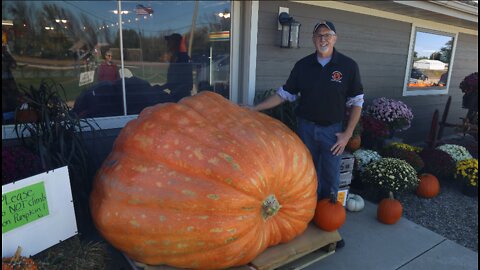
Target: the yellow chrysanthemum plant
pixel 405 146
pixel 468 170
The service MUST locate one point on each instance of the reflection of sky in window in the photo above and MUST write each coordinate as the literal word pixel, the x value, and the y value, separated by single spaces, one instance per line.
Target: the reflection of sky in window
pixel 175 16
pixel 427 43
pixel 168 15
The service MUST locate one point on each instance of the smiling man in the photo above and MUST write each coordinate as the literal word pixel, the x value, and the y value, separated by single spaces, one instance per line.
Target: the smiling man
pixel 329 87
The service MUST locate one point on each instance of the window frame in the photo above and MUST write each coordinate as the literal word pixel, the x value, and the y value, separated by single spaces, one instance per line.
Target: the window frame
pixel 409 65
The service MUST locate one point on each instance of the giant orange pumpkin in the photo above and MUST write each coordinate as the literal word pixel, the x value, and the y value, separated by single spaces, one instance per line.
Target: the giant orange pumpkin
pixel 389 210
pixel 203 184
pixel 329 214
pixel 429 186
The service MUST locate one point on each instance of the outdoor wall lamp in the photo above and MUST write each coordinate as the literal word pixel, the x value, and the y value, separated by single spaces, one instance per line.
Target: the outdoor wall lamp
pixel 290 32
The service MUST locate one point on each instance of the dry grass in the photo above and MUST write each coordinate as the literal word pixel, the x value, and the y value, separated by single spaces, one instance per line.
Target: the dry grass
pixel 73 254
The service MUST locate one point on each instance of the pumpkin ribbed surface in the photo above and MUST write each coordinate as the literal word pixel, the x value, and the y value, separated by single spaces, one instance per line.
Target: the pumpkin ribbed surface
pixel 203 184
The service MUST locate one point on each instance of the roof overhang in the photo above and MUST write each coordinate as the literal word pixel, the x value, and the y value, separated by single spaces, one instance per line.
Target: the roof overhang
pixel 454 13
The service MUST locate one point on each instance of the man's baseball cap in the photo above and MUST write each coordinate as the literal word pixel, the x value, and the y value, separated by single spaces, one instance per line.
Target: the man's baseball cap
pixel 327 24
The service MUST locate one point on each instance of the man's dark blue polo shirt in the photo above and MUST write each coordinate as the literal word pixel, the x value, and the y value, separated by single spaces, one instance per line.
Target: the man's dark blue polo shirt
pixel 324 89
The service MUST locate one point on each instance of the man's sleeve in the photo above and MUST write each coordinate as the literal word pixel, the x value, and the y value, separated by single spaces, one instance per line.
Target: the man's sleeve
pixel 291 85
pixel 356 87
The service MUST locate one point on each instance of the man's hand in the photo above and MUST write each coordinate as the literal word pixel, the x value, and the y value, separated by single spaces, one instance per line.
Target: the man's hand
pixel 342 140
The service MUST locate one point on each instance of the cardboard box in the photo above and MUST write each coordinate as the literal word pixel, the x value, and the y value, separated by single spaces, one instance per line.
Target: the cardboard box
pixel 347 162
pixel 345 178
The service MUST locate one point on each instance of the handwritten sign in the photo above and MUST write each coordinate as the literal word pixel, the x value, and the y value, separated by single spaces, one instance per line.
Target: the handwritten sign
pixel 23 206
pixel 86 77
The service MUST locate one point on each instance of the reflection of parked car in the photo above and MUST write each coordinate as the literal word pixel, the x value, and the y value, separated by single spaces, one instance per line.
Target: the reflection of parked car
pixel 417 74
pixel 221 71
pixel 220 68
pixel 220 74
pixel 106 98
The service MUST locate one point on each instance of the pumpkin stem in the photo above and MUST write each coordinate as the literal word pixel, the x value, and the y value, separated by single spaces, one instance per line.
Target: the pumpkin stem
pixel 390 195
pixel 270 207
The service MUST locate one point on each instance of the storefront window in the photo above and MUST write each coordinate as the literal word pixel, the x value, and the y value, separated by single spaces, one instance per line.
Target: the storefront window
pixel 171 49
pixel 431 59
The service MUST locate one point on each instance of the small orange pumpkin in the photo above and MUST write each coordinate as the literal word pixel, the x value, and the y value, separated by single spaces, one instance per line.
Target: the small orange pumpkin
pixel 354 143
pixel 18 262
pixel 429 186
pixel 389 210
pixel 329 214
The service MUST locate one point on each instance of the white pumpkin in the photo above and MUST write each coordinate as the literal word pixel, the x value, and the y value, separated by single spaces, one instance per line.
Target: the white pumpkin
pixel 354 203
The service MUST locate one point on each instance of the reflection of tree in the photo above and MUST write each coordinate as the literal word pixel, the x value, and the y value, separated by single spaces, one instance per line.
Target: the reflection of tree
pixel 24 26
pixel 82 32
pixel 89 35
pixel 55 43
pixel 444 54
pixel 34 40
pixel 130 39
pixel 446 51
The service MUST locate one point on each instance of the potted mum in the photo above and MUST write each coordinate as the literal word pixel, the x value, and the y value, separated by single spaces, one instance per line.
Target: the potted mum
pixel 438 163
pixel 397 150
pixel 396 115
pixel 391 175
pixel 469 87
pixel 362 157
pixel 374 132
pixel 467 173
pixel 457 152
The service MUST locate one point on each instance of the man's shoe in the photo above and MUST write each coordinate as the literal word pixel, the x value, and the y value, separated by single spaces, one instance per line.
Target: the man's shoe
pixel 340 244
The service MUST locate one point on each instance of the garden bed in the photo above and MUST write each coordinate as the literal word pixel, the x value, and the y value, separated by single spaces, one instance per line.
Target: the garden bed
pixel 450 214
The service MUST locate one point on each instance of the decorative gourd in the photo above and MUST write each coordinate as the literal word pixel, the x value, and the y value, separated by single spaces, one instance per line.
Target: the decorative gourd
pixel 389 210
pixel 429 186
pixel 355 202
pixel 203 183
pixel 329 214
pixel 354 143
pixel 18 262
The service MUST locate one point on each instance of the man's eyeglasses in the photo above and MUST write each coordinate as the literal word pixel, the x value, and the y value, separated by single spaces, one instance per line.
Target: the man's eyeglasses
pixel 326 36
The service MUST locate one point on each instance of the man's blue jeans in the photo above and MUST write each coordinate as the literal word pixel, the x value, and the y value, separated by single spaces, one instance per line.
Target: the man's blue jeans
pixel 319 140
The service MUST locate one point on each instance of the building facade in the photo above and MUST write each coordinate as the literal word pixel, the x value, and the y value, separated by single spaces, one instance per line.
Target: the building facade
pixel 234 50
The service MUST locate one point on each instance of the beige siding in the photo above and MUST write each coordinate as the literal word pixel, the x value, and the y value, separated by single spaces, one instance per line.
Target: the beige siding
pixel 380 47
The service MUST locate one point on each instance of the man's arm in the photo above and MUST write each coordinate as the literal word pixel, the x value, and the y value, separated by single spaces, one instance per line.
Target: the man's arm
pixel 270 102
pixel 342 138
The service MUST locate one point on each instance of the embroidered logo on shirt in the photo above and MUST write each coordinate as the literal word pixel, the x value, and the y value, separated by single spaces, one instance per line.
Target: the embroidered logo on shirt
pixel 337 76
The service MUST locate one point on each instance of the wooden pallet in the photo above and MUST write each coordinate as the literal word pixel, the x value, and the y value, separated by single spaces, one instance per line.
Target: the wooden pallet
pixel 308 248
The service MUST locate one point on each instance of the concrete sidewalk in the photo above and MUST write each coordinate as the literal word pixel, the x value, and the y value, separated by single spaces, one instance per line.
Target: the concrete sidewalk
pixel 371 245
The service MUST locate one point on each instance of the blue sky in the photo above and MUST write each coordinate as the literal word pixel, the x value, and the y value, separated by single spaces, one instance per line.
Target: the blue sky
pixel 427 43
pixel 168 15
